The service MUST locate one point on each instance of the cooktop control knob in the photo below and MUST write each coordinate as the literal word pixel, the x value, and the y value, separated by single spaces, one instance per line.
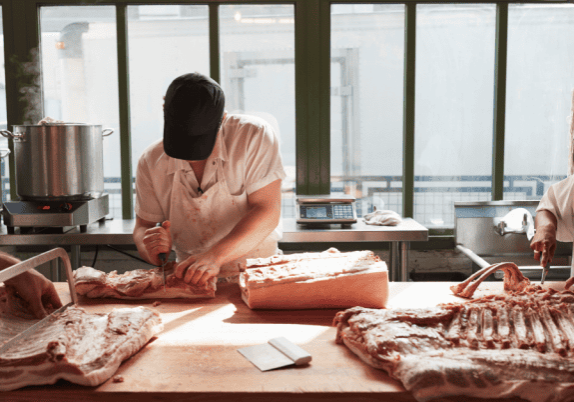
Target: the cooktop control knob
pixel 65 207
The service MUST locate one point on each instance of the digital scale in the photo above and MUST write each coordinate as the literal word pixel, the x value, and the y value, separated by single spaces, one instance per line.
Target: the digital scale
pixel 317 209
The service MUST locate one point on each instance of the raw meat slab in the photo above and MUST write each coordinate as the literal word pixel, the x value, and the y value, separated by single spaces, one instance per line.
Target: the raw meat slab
pixel 138 284
pixel 330 279
pixel 82 348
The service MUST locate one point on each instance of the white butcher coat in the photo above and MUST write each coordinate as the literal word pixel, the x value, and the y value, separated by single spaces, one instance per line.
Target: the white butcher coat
pixel 245 159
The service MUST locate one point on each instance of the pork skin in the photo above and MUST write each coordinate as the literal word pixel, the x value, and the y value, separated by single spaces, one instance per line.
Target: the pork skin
pixel 330 279
pixel 83 348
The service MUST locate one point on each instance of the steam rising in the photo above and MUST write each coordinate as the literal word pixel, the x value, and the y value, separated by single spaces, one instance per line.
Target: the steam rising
pixel 29 80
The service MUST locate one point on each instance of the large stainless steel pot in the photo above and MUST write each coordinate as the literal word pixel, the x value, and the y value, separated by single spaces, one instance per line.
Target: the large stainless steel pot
pixel 58 161
pixel 4 152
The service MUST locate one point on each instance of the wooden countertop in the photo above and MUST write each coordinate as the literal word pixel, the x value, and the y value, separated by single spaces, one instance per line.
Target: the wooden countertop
pixel 196 358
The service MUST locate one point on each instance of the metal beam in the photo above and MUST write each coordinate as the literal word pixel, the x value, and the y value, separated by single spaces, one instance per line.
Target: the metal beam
pixel 21 45
pixel 499 101
pixel 214 59
pixel 409 110
pixel 312 92
pixel 124 105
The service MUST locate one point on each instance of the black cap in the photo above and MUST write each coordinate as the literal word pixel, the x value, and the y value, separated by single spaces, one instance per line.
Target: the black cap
pixel 193 110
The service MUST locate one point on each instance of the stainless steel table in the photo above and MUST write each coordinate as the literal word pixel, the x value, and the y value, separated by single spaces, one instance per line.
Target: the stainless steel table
pixel 119 232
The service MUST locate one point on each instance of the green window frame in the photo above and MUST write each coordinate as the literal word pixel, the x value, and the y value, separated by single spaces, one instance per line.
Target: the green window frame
pixel 312 83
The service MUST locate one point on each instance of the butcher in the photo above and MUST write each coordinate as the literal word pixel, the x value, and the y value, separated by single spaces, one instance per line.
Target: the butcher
pixel 34 289
pixel 554 220
pixel 555 212
pixel 213 182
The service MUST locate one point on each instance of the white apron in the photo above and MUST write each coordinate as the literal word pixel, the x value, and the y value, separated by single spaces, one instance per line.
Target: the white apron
pixel 197 223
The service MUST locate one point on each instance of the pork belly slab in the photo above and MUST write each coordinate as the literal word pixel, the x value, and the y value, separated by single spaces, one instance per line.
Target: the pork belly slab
pixel 83 348
pixel 516 345
pixel 138 284
pixel 330 279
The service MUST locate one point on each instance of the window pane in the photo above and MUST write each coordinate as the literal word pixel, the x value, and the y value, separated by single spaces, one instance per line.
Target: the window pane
pixel 164 42
pixel 538 97
pixel 453 108
pixel 80 77
pixel 367 62
pixel 258 74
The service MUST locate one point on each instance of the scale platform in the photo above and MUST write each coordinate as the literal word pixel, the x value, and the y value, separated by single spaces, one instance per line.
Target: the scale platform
pixel 28 215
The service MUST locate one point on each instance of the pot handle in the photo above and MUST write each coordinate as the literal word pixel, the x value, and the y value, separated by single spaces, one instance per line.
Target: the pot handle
pixel 105 132
pixel 8 134
pixel 4 153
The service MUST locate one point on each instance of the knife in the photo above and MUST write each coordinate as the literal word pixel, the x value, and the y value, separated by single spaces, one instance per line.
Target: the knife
pixel 545 272
pixel 163 258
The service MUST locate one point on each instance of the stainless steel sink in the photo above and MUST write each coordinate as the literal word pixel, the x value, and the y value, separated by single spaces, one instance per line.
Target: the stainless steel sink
pixel 477 234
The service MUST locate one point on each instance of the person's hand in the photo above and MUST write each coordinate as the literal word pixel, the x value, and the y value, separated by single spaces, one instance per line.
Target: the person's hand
pixel 544 244
pixel 38 293
pixel 198 269
pixel 157 240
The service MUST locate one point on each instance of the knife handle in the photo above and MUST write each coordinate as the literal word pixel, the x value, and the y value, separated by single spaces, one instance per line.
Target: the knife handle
pixel 161 256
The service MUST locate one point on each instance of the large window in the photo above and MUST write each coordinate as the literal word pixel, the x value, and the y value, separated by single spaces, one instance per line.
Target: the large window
pixel 80 77
pixel 367 53
pixel 164 42
pixel 453 106
pixel 403 105
pixel 257 67
pixel 538 97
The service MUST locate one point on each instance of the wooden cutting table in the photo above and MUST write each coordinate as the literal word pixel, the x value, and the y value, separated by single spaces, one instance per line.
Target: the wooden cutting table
pixel 195 358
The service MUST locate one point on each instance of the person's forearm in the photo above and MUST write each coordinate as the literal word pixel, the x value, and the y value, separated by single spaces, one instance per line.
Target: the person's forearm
pixel 545 220
pixel 249 232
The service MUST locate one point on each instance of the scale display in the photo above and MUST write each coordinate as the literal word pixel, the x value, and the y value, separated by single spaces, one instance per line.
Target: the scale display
pixel 315 212
pixel 326 211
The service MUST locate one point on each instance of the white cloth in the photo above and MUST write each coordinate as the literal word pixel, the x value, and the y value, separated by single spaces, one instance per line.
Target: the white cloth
pixel 245 159
pixel 383 218
pixel 559 199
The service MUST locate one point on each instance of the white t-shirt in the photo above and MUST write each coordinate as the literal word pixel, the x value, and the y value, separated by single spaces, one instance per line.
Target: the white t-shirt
pixel 559 199
pixel 247 147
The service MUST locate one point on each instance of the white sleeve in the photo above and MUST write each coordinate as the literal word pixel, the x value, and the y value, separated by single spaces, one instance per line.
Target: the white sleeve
pixel 264 164
pixel 147 205
pixel 559 200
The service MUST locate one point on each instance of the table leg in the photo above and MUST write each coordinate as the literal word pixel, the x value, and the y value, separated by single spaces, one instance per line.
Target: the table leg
pixel 75 260
pixel 394 262
pixel 405 245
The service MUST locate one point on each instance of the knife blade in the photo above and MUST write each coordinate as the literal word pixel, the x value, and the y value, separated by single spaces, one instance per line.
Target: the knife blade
pixel 163 258
pixel 545 272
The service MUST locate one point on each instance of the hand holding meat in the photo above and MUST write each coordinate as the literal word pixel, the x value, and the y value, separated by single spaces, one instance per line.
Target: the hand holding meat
pixel 37 292
pixel 198 269
pixel 157 240
pixel 544 241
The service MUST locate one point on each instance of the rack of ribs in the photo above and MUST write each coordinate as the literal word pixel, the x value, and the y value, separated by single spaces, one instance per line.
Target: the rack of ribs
pixel 139 284
pixel 518 344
